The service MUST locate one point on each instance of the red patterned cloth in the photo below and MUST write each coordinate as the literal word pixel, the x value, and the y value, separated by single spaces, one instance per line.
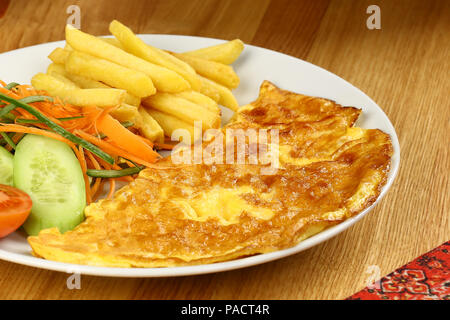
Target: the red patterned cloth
pixel 426 278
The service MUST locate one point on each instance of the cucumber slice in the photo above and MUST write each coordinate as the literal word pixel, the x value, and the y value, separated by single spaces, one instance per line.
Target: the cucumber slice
pixel 6 167
pixel 50 173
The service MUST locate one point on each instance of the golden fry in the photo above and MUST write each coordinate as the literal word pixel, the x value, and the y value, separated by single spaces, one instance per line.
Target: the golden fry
pixel 170 123
pixel 126 112
pixel 58 71
pixel 218 72
pixel 114 42
pixel 165 80
pixel 200 99
pixel 227 98
pixel 135 82
pixel 149 127
pixel 134 45
pixel 75 96
pixel 209 91
pixel 86 83
pixel 59 55
pixel 225 53
pixel 183 109
pixel 56 68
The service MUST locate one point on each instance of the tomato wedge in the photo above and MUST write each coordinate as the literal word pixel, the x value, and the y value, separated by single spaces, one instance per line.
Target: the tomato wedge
pixel 15 206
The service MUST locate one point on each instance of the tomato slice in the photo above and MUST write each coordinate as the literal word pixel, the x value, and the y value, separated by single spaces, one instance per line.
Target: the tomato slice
pixel 15 206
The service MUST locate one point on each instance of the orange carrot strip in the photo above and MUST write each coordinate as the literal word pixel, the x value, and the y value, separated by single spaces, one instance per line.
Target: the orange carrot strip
pixel 125 179
pixel 145 140
pixel 164 146
pixel 9 93
pixel 22 129
pixel 112 188
pixel 125 138
pixel 104 164
pixel 97 167
pixel 99 190
pixel 107 147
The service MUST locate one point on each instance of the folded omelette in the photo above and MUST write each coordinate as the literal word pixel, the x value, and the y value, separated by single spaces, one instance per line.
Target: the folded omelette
pixel 175 215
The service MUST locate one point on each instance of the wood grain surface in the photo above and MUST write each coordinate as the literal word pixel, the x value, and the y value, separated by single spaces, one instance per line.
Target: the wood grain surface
pixel 404 67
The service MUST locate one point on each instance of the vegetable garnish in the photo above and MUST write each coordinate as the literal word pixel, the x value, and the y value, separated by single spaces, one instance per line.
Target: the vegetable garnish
pixel 25 110
pixel 58 129
pixel 113 173
pixel 121 136
pixel 49 172
pixel 6 167
pixel 30 99
pixel 22 120
pixel 8 140
pixel 11 85
pixel 15 206
pixel 113 149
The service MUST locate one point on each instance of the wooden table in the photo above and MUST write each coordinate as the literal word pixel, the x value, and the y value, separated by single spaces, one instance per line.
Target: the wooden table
pixel 404 67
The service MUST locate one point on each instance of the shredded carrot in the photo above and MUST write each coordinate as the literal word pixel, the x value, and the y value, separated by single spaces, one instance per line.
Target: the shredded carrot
pixel 23 129
pixel 125 138
pixel 10 93
pixel 97 166
pixel 107 147
pixel 124 179
pixel 164 145
pixel 99 190
pixel 151 144
pixel 112 188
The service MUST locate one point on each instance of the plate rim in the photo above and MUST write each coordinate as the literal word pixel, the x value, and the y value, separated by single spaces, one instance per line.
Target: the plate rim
pixel 226 265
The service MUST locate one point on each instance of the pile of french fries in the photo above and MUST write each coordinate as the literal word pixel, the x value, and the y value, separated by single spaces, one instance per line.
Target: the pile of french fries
pixel 157 90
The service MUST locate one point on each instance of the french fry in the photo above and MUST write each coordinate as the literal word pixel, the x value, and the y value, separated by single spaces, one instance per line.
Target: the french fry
pixel 215 71
pixel 135 82
pixel 149 127
pixel 141 119
pixel 225 53
pixel 114 42
pixel 85 83
pixel 134 45
pixel 55 68
pixel 227 98
pixel 165 80
pixel 183 109
pixel 200 99
pixel 170 123
pixel 75 96
pixel 209 91
pixel 132 100
pixel 126 112
pixel 59 55
pixel 58 71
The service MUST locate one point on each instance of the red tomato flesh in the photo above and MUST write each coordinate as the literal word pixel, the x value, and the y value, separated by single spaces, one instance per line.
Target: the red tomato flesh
pixel 15 206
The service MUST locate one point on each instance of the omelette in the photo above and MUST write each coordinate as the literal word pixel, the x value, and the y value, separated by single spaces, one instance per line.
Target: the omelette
pixel 188 214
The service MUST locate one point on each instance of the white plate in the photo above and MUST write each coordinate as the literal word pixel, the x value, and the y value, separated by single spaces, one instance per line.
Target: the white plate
pixel 255 65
